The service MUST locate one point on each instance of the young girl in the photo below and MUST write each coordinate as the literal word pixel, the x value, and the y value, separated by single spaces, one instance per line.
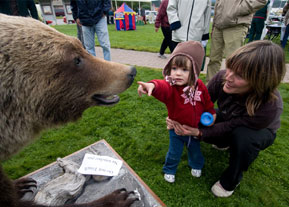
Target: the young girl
pixel 186 98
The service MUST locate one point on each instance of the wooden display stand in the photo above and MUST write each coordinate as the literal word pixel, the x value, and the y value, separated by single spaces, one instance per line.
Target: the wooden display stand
pixel 126 178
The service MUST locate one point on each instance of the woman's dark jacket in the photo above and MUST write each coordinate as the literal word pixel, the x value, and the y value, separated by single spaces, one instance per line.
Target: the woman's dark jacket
pixel 90 12
pixel 233 110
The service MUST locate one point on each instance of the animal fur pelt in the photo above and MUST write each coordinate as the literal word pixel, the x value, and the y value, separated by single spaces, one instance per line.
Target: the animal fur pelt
pixel 48 79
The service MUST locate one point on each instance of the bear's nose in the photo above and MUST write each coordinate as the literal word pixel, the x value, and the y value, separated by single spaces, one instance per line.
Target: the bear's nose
pixel 132 74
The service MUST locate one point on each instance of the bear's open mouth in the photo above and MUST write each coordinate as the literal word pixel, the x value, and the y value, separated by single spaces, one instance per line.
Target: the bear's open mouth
pixel 105 100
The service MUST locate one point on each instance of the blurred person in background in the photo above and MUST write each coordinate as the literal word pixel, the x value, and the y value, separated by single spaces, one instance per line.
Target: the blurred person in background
pixel 258 23
pixel 91 16
pixel 74 10
pixel 143 14
pixel 230 26
pixel 163 22
pixel 286 22
pixel 189 20
pixel 25 8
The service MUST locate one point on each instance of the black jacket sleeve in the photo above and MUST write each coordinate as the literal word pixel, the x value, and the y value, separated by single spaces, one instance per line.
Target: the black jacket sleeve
pixel 74 9
pixel 32 9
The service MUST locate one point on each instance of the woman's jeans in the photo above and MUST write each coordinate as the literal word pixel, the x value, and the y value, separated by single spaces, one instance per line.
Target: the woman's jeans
pixel 245 145
pixel 101 31
pixel 285 37
pixel 173 157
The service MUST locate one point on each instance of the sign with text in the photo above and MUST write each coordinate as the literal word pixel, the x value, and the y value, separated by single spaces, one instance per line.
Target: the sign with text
pixel 99 165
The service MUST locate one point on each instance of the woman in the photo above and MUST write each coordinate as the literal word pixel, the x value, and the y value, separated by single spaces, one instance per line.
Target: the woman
pixel 249 109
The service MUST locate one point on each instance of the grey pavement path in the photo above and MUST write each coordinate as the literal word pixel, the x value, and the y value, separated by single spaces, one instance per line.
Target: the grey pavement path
pixel 149 59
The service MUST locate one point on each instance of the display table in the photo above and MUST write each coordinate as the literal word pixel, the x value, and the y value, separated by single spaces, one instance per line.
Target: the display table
pixel 126 178
pixel 274 30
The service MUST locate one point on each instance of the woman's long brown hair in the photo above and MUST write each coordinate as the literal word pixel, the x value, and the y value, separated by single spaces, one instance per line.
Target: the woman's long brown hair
pixel 262 64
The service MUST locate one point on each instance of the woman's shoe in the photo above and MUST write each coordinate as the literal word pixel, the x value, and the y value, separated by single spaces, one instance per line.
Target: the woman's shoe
pixel 218 190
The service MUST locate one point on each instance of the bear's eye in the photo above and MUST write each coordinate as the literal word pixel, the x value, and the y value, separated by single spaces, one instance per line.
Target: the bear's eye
pixel 77 61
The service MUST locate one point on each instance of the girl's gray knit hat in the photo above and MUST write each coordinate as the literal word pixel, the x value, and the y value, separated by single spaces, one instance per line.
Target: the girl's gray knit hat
pixel 194 51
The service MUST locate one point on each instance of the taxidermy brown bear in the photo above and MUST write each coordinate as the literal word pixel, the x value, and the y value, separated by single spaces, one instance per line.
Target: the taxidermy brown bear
pixel 48 79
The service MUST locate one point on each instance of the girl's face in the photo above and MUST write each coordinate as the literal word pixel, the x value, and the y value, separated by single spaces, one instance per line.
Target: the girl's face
pixel 181 74
pixel 235 84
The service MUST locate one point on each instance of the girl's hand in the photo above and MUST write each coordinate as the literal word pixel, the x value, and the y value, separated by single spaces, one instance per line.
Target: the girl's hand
pixel 145 88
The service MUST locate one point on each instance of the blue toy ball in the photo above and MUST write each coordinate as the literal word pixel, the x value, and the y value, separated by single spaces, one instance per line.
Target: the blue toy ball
pixel 207 119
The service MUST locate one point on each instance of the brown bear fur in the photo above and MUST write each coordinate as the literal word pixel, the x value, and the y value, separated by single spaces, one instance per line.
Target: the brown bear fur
pixel 48 79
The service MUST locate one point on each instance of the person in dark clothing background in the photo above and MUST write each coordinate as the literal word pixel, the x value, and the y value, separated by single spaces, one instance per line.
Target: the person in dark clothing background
pixel 285 13
pixel 25 8
pixel 91 16
pixel 111 16
pixel 143 14
pixel 74 14
pixel 163 22
pixel 258 23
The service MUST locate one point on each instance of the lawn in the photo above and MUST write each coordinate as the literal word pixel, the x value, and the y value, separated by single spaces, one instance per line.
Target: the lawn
pixel 136 129
pixel 144 38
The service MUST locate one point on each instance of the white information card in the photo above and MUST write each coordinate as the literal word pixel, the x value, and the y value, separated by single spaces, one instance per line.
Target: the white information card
pixel 99 165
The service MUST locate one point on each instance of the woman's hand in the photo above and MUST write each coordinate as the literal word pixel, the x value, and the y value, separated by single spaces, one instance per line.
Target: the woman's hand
pixel 185 130
pixel 170 123
pixel 145 88
pixel 182 130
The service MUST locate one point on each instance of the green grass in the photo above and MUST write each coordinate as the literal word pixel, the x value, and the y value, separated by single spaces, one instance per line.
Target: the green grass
pixel 136 129
pixel 144 38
